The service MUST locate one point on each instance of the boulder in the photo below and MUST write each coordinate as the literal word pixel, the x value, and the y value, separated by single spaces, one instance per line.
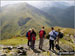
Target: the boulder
pixel 67 47
pixel 12 54
pixel 3 55
pixel 21 48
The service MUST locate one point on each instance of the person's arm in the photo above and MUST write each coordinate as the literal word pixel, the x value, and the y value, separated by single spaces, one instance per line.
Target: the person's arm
pixel 50 33
pixel 35 33
pixel 39 31
pixel 44 34
pixel 30 34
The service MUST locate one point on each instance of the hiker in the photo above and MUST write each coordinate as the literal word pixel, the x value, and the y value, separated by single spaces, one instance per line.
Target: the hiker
pixel 53 34
pixel 33 38
pixel 28 35
pixel 42 34
pixel 60 35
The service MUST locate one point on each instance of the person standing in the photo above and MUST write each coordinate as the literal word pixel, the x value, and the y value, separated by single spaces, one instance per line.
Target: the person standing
pixel 52 38
pixel 58 36
pixel 33 38
pixel 28 35
pixel 42 34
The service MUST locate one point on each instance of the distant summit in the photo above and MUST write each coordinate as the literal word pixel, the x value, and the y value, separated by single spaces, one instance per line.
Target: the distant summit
pixel 16 19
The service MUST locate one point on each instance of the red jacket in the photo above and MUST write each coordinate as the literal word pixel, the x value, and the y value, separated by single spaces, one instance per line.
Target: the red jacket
pixel 29 35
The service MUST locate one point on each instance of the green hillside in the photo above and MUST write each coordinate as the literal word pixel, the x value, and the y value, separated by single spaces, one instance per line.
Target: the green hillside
pixel 14 41
pixel 16 19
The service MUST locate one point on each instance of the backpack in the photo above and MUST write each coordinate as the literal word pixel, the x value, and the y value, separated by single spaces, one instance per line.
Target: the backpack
pixel 27 34
pixel 33 37
pixel 41 33
pixel 57 47
pixel 54 35
pixel 61 35
pixel 48 36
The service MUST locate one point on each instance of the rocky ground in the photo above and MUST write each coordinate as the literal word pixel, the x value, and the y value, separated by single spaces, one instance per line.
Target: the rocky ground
pixel 24 50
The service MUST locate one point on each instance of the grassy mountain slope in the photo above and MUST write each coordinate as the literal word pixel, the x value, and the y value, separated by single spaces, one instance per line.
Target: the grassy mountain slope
pixel 23 40
pixel 16 19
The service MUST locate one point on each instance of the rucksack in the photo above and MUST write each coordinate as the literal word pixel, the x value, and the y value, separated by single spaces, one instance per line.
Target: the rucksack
pixel 54 35
pixel 48 36
pixel 33 37
pixel 57 47
pixel 27 34
pixel 61 35
pixel 41 33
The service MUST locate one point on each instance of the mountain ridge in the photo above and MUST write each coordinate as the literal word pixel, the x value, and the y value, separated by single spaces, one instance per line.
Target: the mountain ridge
pixel 11 17
pixel 17 19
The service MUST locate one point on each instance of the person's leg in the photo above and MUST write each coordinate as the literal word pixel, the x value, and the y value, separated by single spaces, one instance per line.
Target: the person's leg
pixel 55 41
pixel 42 42
pixel 50 44
pixel 53 44
pixel 39 43
pixel 28 43
pixel 58 41
pixel 33 44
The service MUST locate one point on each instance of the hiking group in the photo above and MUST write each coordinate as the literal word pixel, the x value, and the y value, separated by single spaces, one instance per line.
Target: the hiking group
pixel 54 36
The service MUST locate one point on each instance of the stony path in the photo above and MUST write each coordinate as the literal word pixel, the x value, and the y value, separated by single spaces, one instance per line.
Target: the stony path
pixel 30 52
pixel 36 52
pixel 45 51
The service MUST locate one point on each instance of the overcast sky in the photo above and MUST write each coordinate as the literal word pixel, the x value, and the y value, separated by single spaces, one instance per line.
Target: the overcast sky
pixel 34 3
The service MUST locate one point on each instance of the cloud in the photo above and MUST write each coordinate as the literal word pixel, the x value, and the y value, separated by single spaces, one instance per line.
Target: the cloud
pixel 35 3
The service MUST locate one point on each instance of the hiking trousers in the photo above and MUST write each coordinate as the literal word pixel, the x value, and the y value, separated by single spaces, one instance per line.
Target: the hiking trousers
pixel 41 42
pixel 29 43
pixel 51 44
pixel 33 44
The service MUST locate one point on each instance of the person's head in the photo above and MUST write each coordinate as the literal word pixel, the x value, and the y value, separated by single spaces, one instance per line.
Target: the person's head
pixel 43 27
pixel 30 29
pixel 58 30
pixel 52 28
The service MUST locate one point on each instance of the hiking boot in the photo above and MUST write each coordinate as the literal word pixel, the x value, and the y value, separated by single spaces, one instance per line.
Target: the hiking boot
pixel 49 49
pixel 53 50
pixel 40 48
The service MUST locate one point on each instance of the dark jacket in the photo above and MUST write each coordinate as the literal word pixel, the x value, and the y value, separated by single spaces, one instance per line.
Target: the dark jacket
pixel 33 35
